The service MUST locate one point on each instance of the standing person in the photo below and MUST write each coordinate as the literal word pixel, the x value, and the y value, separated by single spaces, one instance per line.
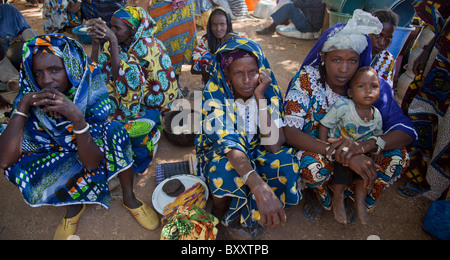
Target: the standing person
pixel 139 75
pixel 219 25
pixel 251 175
pixel 307 17
pixel 354 118
pixel 426 102
pixel 319 83
pixel 383 61
pixel 176 29
pixel 59 147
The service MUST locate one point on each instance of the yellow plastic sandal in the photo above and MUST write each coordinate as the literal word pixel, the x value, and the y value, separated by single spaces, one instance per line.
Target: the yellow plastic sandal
pixel 145 216
pixel 68 226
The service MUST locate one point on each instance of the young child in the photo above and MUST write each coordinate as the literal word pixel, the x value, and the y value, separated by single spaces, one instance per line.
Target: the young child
pixel 354 118
pixel 219 26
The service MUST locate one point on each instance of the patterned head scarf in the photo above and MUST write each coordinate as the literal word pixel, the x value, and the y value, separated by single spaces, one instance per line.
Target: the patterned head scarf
pixel 88 91
pixel 227 58
pixel 139 19
pixel 218 92
pixel 130 15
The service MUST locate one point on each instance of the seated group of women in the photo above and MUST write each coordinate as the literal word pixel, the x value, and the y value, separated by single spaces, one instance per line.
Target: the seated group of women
pixel 76 124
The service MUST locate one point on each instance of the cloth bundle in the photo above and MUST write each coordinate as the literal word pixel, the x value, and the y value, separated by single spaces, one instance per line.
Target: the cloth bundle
pixel 190 223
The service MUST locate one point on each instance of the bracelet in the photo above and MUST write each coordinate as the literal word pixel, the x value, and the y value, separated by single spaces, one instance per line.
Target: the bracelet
pixel 263 109
pixel 245 177
pixel 19 113
pixel 82 131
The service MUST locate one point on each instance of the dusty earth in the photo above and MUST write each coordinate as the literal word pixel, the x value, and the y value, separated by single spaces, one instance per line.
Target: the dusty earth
pixel 394 218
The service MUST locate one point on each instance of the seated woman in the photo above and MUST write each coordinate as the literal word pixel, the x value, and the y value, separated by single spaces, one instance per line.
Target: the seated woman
pixel 251 175
pixel 59 147
pixel 383 61
pixel 319 83
pixel 219 25
pixel 139 75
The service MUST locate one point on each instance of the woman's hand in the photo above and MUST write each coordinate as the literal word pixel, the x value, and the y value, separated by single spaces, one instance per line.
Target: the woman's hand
pixel 344 149
pixel 270 209
pixel 365 167
pixel 56 104
pixel 98 30
pixel 264 83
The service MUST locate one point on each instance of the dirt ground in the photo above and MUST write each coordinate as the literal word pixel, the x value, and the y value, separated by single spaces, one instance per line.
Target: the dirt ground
pixel 394 218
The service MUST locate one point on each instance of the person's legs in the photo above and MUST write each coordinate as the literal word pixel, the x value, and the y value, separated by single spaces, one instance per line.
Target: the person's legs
pixel 126 183
pixel 361 195
pixel 73 210
pixel 338 203
pixel 68 225
pixel 342 177
pixel 144 215
pixel 281 16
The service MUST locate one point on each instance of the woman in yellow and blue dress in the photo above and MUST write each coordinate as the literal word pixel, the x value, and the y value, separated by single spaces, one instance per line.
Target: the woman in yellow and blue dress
pixel 251 175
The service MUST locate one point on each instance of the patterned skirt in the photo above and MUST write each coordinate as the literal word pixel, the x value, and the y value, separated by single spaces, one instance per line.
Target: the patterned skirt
pixel 316 172
pixel 279 170
pixel 59 179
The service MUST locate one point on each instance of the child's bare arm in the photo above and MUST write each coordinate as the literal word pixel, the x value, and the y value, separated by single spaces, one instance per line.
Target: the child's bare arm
pixel 323 132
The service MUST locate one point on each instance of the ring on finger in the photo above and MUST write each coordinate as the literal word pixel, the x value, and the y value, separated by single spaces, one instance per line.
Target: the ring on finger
pixel 54 95
pixel 345 149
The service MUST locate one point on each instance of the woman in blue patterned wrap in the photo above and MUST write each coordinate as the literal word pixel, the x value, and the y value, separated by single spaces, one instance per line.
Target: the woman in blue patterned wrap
pixel 59 148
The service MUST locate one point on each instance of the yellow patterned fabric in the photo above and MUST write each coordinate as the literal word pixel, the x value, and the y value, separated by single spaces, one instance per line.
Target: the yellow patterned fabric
pixel 176 29
pixel 223 132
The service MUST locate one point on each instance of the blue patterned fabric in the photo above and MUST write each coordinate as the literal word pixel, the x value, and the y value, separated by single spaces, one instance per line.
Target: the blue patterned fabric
pixel 49 171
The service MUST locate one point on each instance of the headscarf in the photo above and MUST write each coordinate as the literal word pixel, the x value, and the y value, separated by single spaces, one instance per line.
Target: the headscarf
pixel 227 58
pixel 221 129
pixel 130 15
pixel 88 91
pixel 137 18
pixel 353 35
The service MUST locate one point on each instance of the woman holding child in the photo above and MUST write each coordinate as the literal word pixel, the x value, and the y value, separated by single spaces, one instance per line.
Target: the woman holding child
pixel 321 82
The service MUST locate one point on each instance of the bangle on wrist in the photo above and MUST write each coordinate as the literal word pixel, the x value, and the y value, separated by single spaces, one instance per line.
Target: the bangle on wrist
pixel 19 113
pixel 245 177
pixel 379 142
pixel 82 131
pixel 263 109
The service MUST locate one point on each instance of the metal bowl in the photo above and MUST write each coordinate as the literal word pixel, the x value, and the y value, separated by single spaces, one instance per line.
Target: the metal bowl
pixel 180 127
